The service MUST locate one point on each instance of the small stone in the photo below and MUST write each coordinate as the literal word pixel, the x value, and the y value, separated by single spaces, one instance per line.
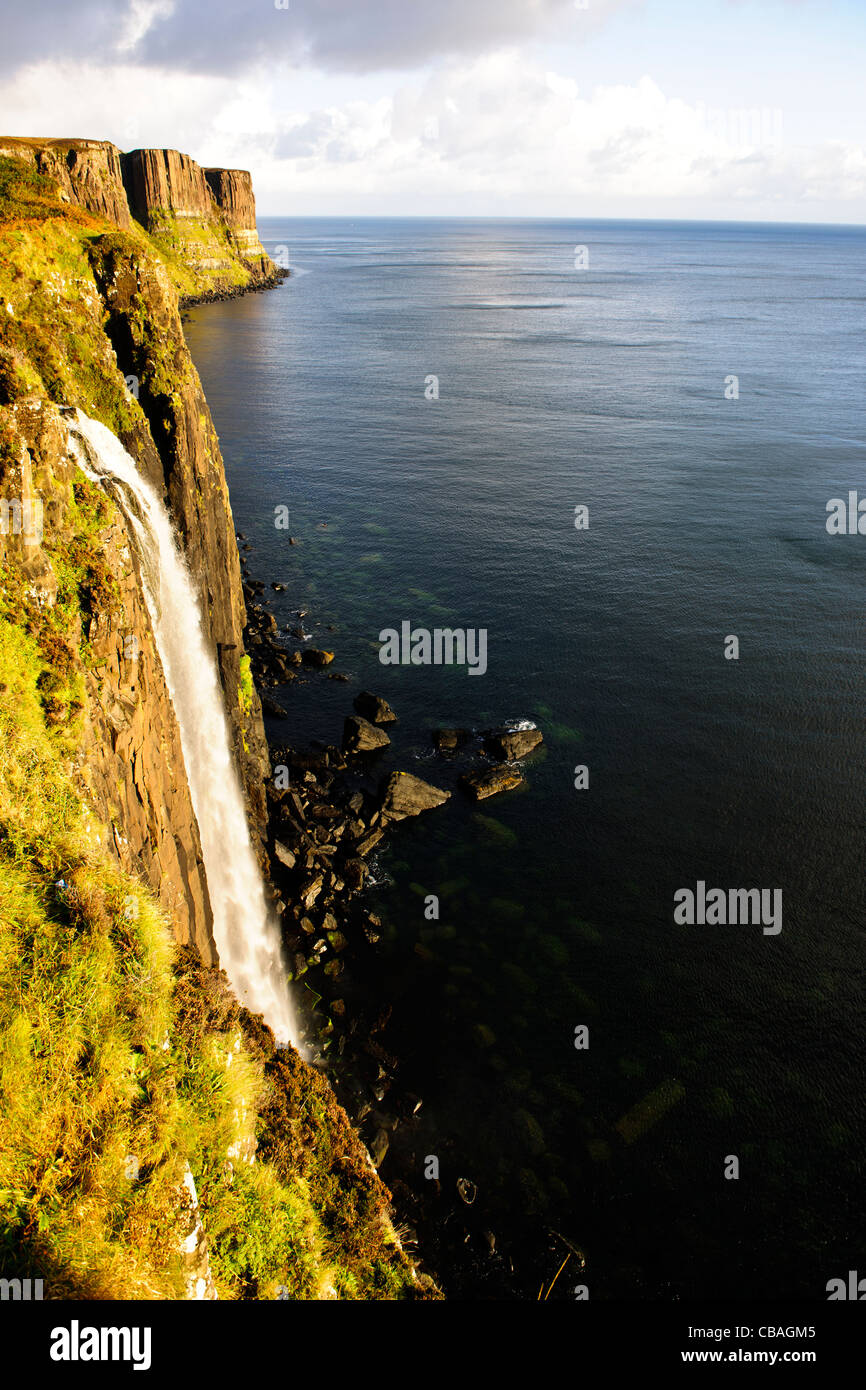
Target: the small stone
pixel 284 855
pixel 312 890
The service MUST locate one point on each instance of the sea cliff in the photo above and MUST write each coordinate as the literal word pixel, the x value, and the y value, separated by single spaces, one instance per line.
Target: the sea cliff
pixel 143 1136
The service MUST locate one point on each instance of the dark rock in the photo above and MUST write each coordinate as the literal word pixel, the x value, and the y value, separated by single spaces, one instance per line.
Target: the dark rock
pixel 278 588
pixel 369 842
pixel 480 785
pixel 447 739
pixel 379 1147
pixel 355 873
pixel 271 708
pixel 374 708
pixel 338 676
pixel 312 657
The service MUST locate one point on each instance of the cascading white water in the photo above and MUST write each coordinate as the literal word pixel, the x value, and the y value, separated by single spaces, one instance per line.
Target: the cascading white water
pixel 246 935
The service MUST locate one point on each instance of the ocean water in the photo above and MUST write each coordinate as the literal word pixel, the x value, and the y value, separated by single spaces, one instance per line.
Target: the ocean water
pixel 601 387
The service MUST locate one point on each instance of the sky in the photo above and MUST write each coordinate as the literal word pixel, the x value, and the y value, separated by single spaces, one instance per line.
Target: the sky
pixel 708 109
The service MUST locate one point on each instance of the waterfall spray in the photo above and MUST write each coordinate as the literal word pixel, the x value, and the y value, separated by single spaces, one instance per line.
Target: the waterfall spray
pixel 246 935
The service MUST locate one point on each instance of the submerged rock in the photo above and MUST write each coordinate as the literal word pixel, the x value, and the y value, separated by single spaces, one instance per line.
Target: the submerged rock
pixel 360 736
pixel 374 708
pixel 511 744
pixel 447 739
pixel 492 780
pixel 405 795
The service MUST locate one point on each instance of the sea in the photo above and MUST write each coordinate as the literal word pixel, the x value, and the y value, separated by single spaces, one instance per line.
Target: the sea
pixel 611 446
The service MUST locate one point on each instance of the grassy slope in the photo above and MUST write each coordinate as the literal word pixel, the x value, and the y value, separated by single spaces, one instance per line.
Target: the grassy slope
pixel 122 1060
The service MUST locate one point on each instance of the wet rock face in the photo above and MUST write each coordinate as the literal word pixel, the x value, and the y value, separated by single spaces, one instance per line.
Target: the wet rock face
pixel 180 454
pixel 131 768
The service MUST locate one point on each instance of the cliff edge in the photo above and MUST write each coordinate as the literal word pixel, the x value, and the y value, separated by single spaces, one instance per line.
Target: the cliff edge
pixel 202 220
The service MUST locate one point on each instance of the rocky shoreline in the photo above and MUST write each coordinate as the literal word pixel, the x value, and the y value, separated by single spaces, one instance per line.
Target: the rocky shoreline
pixel 330 810
pixel 267 282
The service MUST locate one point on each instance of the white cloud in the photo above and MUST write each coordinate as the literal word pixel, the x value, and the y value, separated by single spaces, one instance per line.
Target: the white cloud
pixel 498 133
pixel 507 127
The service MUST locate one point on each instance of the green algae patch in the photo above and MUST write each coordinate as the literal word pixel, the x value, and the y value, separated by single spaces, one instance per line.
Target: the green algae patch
pixel 641 1118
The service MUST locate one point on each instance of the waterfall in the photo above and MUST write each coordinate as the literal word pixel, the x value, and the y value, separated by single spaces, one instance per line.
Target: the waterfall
pixel 246 934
